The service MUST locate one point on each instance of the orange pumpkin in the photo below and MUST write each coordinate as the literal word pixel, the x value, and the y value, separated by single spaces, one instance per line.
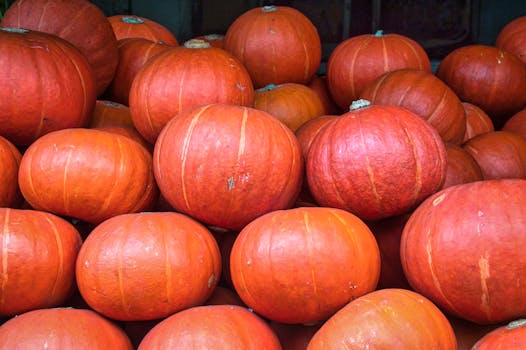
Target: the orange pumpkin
pixel 125 26
pixel 10 156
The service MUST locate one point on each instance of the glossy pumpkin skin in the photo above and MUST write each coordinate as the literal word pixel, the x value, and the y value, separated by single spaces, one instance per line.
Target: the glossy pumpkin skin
pixel 509 337
pixel 461 167
pixel 291 103
pixel 277 44
pixel 309 130
pixel 212 327
pixel 376 161
pixel 80 22
pixel 87 174
pixel 125 26
pixel 225 165
pixel 54 85
pixel 386 319
pixel 165 262
pixel 500 154
pixel 517 123
pixel 357 61
pixel 62 328
pixel 294 280
pixel 512 37
pixel 10 156
pixel 492 79
pixel 477 121
pixel 51 245
pixel 184 78
pixel 319 85
pixel 463 249
pixel 424 94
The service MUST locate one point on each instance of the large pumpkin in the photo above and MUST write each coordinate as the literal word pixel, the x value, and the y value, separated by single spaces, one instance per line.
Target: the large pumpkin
pixel 214 327
pixel 10 157
pixel 509 337
pixel 316 260
pixel 140 27
pixel 184 78
pixel 358 60
pixel 512 37
pixel 87 174
pixel 46 84
pixel 80 22
pixel 463 248
pixel 277 44
pixel 165 262
pixel 423 93
pixel 386 319
pixel 62 328
pixel 38 255
pixel 225 165
pixel 376 161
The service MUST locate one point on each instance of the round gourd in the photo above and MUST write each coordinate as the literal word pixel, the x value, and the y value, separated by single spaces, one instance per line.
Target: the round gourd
pixel 109 113
pixel 477 121
pixel 509 337
pixel 125 26
pixel 461 167
pixel 463 249
pixel 225 165
pixel 512 37
pixel 309 130
pixel 517 123
pixel 316 260
pixel 10 156
pixel 319 85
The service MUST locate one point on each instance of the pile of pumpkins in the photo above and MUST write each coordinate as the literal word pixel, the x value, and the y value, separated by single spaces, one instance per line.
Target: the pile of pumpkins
pixel 223 194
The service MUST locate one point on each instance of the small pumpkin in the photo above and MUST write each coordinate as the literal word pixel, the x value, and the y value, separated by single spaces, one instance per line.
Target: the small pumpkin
pixel 517 123
pixel 477 121
pixel 508 337
pixel 461 167
pixel 126 26
pixel 511 37
pixel 10 156
pixel 319 85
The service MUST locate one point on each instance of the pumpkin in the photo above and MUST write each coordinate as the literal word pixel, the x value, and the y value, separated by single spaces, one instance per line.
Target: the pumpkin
pixel 62 328
pixel 477 121
pixel 358 60
pixel 492 79
pixel 184 78
pixel 87 174
pixel 509 337
pixel 212 327
pixel 309 130
pixel 224 296
pixel 291 103
pixel 424 94
pixel 109 113
pixel 463 249
pixel 38 254
pixel 319 85
pixel 10 156
pixel 215 40
pixel 225 165
pixel 277 44
pixel 49 85
pixel 517 123
pixel 386 319
pixel 461 167
pixel 512 37
pixel 302 265
pixel 376 161
pixel 468 333
pixel 294 336
pixel 80 22
pixel 500 154
pixel 125 26
pixel 146 266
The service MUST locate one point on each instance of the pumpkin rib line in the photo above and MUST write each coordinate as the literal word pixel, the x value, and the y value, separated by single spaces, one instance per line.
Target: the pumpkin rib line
pixel 60 253
pixel 5 248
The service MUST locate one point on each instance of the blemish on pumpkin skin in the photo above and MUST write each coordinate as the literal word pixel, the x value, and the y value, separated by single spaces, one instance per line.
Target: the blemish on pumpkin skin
pixel 439 199
pixel 483 264
pixel 230 183
pixel 211 281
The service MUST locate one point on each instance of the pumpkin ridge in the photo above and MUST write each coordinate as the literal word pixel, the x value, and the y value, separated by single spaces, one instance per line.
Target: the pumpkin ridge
pixel 167 269
pixel 407 43
pixel 332 173
pixel 5 248
pixel 65 191
pixel 63 33
pixel 310 254
pixel 60 254
pixel 117 168
pixel 484 272
pixel 120 278
pixel 418 169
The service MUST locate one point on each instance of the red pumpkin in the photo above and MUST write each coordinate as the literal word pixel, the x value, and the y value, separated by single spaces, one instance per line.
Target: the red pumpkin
pixel 212 327
pixel 357 61
pixel 509 337
pixel 87 174
pixel 477 121
pixel 424 94
pixel 517 123
pixel 125 26
pixel 277 44
pixel 309 130
pixel 512 37
pixel 10 157
pixel 225 165
pixel 463 248
pixel 80 22
pixel 500 154
pixel 376 161
pixel 165 262
pixel 319 85
pixel 386 319
pixel 48 86
pixel 62 328
pixel 292 104
pixel 468 333
pixel 109 113
pixel 492 79
pixel 461 167
pixel 184 78
pixel 316 260
pixel 38 254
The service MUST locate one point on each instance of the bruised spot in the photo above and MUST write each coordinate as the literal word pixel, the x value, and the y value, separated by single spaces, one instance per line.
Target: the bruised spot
pixel 211 281
pixel 230 183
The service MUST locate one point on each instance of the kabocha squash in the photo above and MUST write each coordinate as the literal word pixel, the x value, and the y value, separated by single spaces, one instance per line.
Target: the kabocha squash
pixel 302 265
pixel 80 22
pixel 62 328
pixel 39 253
pixel 140 27
pixel 147 266
pixel 87 174
pixel 10 156
pixel 477 121
pixel 277 44
pixel 225 165
pixel 184 78
pixel 463 248
pixel 46 84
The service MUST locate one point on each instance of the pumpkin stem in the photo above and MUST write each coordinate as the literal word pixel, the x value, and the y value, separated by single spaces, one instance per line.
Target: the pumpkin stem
pixel 379 32
pixel 196 44
pixel 14 30
pixel 267 88
pixel 214 36
pixel 132 20
pixel 357 104
pixel 269 8
pixel 516 324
